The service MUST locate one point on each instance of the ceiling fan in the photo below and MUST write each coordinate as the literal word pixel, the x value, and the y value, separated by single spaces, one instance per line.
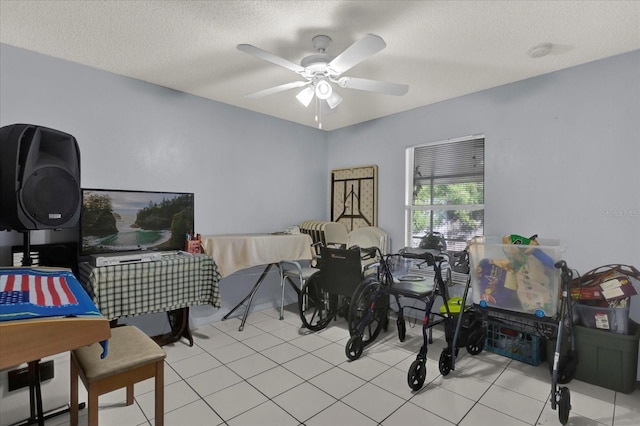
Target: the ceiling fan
pixel 320 71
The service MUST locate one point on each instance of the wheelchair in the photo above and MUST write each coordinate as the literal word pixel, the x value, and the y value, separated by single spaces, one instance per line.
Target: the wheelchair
pixel 327 293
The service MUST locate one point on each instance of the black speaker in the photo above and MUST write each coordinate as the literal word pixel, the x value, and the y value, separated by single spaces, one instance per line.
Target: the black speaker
pixel 39 178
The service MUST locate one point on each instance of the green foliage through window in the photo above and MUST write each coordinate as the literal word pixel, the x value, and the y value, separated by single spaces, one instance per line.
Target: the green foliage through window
pixel 447 193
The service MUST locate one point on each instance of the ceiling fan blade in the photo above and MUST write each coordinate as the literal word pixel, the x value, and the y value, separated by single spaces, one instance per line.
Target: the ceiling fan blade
pixel 367 46
pixel 373 86
pixel 269 57
pixel 276 89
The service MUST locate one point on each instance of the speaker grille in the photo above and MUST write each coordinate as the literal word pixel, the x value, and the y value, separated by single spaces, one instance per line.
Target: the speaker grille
pixel 51 196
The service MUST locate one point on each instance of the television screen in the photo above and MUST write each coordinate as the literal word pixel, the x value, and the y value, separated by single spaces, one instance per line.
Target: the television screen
pixel 117 220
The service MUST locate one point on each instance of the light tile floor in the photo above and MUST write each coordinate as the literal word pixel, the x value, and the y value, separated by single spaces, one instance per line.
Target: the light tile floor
pixel 275 373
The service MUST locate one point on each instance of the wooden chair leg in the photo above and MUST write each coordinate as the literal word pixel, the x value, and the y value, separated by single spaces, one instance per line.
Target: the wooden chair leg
pixel 73 411
pixel 159 380
pixel 92 402
pixel 130 394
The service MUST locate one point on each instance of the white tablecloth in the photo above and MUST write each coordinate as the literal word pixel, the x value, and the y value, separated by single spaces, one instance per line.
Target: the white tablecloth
pixel 235 252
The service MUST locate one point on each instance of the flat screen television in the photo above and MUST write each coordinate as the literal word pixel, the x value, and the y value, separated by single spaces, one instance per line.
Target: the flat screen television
pixel 117 220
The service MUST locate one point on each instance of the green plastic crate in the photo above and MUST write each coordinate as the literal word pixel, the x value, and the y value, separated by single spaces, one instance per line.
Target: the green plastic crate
pixel 607 359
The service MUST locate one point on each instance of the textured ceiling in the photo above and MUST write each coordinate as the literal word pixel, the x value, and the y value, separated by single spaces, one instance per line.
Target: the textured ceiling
pixel 441 49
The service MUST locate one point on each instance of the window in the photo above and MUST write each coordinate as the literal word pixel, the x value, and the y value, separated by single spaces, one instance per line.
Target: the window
pixel 445 191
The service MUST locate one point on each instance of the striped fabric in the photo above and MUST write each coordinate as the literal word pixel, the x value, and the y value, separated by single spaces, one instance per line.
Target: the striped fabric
pixel 174 282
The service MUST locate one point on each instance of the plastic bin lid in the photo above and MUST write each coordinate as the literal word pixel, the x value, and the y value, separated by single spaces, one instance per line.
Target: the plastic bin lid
pixel 491 239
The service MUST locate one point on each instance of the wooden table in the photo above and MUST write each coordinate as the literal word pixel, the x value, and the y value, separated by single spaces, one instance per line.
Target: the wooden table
pixel 32 339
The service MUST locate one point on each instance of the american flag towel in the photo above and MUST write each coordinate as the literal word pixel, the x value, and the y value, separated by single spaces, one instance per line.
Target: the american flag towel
pixel 32 293
pixel 36 290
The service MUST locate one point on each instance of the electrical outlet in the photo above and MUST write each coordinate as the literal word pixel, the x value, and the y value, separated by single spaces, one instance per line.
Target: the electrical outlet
pixel 19 378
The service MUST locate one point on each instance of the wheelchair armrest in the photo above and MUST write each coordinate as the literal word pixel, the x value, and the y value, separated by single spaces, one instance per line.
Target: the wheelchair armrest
pixel 371 266
pixel 369 252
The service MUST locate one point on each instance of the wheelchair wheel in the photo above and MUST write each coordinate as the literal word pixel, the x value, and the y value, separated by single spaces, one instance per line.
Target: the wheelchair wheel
pixel 417 374
pixel 359 308
pixel 354 348
pixel 475 342
pixel 444 365
pixel 313 305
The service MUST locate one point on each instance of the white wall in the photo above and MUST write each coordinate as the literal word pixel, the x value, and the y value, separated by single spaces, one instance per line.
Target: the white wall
pixel 562 151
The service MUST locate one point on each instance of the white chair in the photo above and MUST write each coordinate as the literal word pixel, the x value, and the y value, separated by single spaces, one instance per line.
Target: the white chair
pixel 335 234
pixel 369 236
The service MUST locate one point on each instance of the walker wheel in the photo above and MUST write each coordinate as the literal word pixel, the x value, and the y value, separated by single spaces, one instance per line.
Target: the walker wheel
pixel 445 362
pixel 564 405
pixel 417 374
pixel 402 330
pixel 475 343
pixel 354 348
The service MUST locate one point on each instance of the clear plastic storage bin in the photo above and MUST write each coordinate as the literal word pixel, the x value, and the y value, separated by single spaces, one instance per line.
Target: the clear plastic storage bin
pixel 604 318
pixel 519 278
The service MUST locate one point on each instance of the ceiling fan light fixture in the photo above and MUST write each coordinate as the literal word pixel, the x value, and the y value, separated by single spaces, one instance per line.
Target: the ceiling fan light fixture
pixel 305 96
pixel 323 89
pixel 334 100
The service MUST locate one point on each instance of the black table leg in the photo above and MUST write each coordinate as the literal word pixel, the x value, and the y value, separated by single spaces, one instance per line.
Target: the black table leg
pixel 37 414
pixel 249 297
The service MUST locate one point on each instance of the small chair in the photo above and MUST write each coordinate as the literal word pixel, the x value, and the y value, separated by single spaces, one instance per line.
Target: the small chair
pixel 289 270
pixel 132 357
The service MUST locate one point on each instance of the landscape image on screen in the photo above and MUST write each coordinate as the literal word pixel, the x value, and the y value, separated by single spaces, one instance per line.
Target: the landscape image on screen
pixel 115 220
